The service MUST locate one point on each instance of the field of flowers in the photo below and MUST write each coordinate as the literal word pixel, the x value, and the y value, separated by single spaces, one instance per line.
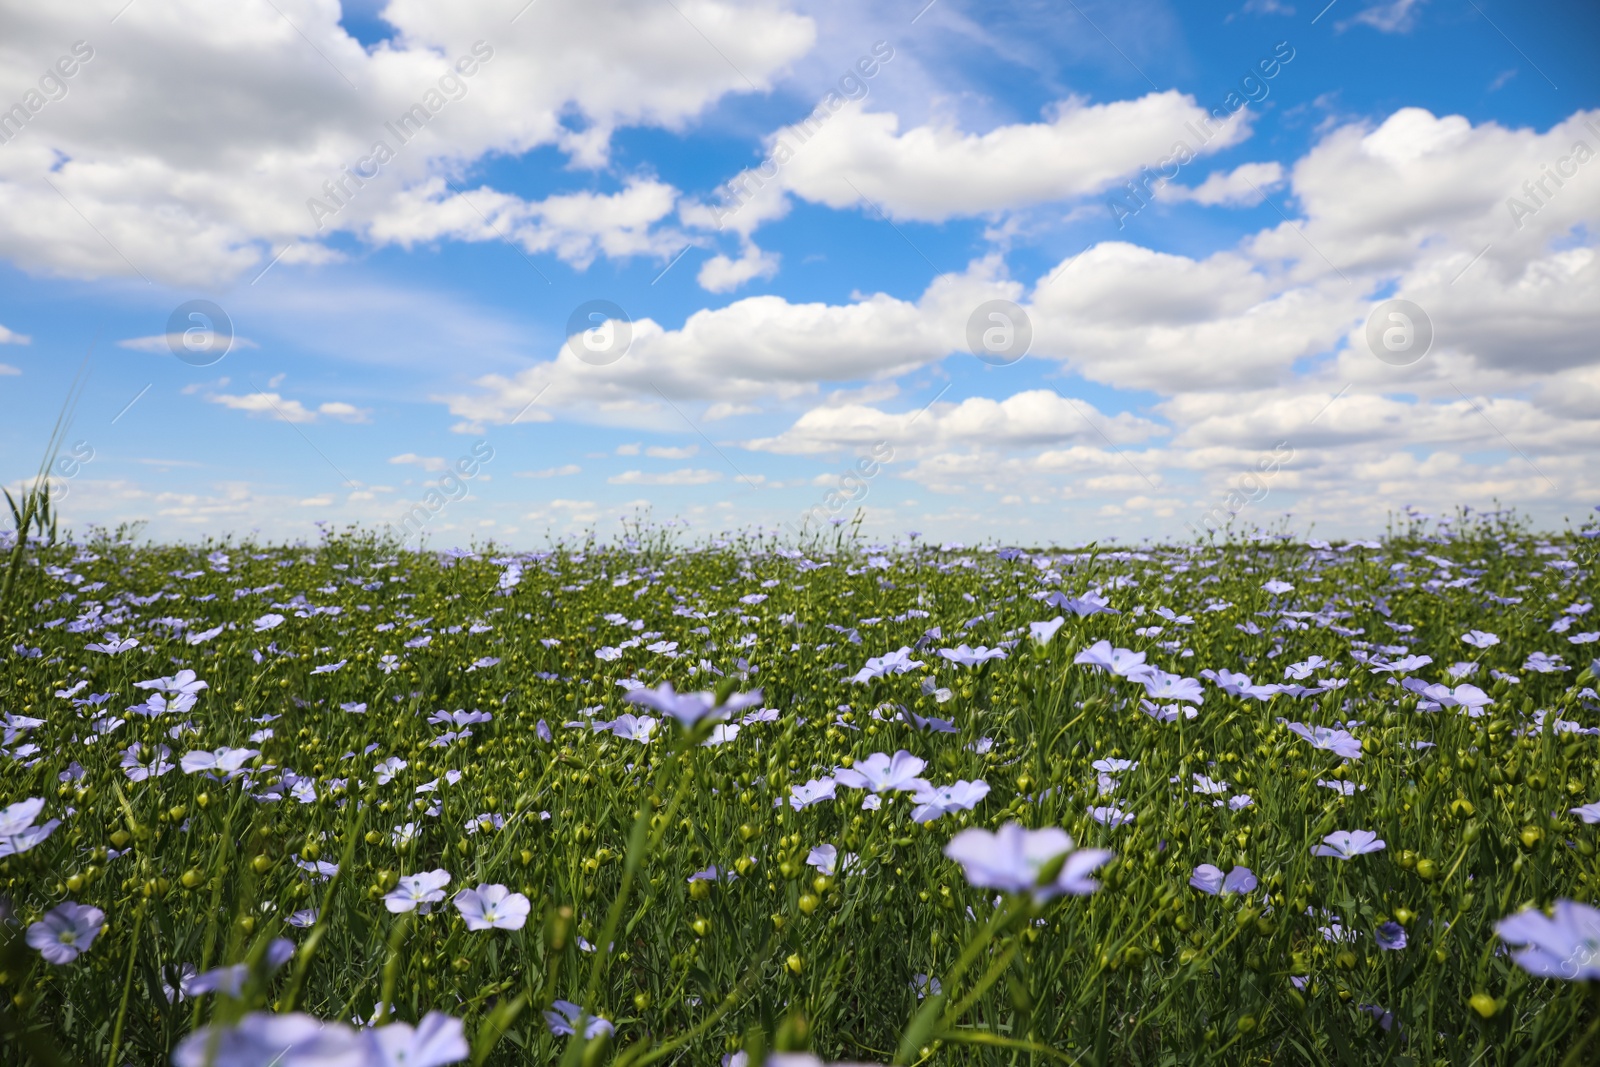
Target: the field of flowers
pixel 1268 800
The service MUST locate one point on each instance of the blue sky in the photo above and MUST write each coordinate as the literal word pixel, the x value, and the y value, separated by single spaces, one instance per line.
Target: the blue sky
pixel 1381 153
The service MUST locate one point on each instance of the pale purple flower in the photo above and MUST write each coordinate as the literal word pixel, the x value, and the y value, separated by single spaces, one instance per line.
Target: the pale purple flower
pixel 1160 685
pixel 827 861
pixel 1391 936
pixel 1042 632
pixel 1167 712
pixel 1339 742
pixel 140 761
pixel 268 621
pixel 1399 666
pixel 224 761
pixel 1543 663
pixel 387 770
pixel 184 683
pixel 1585 638
pixel 1207 786
pixel 1210 879
pixel 1015 858
pixel 158 704
pixel 972 657
pixel 564 1020
pixel 1120 661
pixel 1589 813
pixel 1110 815
pixel 229 980
pixel 17 832
pixel 813 792
pixel 1348 844
pixel 1566 945
pixel 1470 697
pixel 205 635
pixel 492 907
pixel 1480 639
pixel 1114 766
pixel 417 891
pixel 261 1039
pixel 933 802
pixel 879 773
pixel 639 728
pixel 66 931
pixel 1278 588
pixel 1384 1016
pixel 690 708
pixel 923 985
pixel 329 668
pixel 721 734
pixel 896 662
pixel 113 645
pixel 1304 669
pixel 389 663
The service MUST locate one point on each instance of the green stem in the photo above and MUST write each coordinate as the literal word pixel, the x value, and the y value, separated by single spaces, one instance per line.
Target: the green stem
pixel 127 987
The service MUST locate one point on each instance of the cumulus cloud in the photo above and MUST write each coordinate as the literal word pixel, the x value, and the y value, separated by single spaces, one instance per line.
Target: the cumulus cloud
pixel 1242 185
pixel 756 348
pixel 683 476
pixel 275 404
pixel 936 172
pixel 1034 418
pixel 8 337
pixel 719 274
pixel 198 187
pixel 427 463
pixel 550 472
pixel 576 227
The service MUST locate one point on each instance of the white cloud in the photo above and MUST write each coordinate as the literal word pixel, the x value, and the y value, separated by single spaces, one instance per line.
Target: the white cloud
pixel 164 344
pixel 293 101
pixel 1034 418
pixel 684 476
pixel 577 227
pixel 9 337
pixel 338 409
pixel 725 410
pixel 7 369
pixel 756 348
pixel 664 452
pixel 265 404
pixel 937 172
pixel 551 472
pixel 272 403
pixel 427 463
pixel 1394 16
pixel 719 274
pixel 1242 185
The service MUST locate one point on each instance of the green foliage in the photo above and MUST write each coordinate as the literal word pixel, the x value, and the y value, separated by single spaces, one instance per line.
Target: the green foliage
pixel 194 870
